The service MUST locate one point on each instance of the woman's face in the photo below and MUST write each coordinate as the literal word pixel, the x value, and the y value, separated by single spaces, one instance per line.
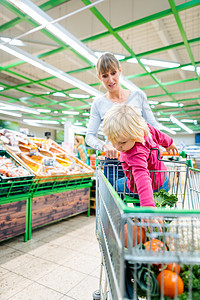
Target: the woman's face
pixel 110 79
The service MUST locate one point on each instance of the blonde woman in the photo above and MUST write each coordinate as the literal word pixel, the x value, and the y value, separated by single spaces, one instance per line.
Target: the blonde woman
pixel 133 137
pixel 81 149
pixel 108 72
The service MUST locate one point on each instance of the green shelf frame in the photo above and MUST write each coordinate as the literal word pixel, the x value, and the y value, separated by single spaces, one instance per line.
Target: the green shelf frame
pixel 41 187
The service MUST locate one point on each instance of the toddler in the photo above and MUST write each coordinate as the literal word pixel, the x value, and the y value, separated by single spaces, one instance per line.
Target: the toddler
pixel 134 138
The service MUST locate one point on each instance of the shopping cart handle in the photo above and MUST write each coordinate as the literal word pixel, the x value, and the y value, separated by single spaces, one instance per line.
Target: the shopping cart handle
pixel 104 154
pixel 183 154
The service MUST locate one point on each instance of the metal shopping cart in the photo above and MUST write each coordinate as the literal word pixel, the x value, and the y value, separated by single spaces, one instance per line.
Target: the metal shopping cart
pixel 132 272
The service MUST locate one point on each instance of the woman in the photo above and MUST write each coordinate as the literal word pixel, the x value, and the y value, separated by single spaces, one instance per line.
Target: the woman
pixel 108 72
pixel 81 149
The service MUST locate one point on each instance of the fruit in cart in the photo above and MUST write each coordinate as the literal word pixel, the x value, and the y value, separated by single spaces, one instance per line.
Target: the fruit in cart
pixel 138 235
pixel 170 283
pixel 174 267
pixel 155 245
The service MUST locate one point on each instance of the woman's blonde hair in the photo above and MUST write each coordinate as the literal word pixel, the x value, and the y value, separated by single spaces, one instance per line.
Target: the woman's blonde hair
pixel 122 120
pixel 80 139
pixel 107 62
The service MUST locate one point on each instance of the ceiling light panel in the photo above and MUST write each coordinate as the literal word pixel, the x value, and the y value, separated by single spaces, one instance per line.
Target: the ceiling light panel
pixel 136 38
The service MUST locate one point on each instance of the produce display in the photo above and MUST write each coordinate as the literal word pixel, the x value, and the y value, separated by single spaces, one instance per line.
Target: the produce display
pixel 8 168
pixel 43 157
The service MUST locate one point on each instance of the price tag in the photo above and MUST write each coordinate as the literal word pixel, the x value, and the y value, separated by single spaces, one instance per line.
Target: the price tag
pixel 33 152
pixel 49 162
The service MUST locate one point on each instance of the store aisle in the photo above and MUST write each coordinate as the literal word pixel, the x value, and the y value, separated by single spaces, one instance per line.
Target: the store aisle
pixel 61 261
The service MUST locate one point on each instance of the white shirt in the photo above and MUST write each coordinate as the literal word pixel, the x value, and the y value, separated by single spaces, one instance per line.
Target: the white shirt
pixel 101 105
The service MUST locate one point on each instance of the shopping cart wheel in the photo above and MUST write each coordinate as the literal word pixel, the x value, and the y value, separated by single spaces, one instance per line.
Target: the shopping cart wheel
pixel 96 295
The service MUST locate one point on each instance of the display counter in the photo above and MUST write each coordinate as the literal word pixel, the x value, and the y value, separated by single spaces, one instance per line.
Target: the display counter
pixel 58 187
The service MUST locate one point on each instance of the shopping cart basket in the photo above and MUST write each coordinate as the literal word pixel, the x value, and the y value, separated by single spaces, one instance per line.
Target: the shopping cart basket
pixel 131 272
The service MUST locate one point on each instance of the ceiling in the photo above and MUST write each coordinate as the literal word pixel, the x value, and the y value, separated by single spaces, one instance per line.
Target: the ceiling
pixel 31 74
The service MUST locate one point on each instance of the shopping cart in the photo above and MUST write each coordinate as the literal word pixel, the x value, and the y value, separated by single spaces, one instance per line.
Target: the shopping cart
pixel 131 272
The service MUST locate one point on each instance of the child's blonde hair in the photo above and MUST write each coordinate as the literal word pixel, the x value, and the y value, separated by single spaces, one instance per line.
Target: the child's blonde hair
pixel 122 120
pixel 107 62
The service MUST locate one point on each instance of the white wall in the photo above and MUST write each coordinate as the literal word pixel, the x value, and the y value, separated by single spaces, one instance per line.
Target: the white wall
pixel 39 131
pixel 187 139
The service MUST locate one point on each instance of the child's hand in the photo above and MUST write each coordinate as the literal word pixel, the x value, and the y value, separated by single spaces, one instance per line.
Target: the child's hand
pixel 110 151
pixel 172 148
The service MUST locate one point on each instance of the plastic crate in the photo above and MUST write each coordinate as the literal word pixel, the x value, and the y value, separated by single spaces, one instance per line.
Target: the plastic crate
pixel 14 186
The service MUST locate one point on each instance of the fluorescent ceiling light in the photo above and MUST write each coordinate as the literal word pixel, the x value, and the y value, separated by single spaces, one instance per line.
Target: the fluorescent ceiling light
pixel 148 69
pixel 164 119
pixel 41 110
pixel 176 129
pixel 159 63
pixel 180 124
pixel 85 114
pixel 14 42
pixel 40 121
pixel 20 108
pixel 153 102
pixel 191 68
pixel 1 88
pixel 117 56
pixel 127 83
pixel 189 121
pixel 10 113
pixel 44 19
pixel 162 127
pixel 49 69
pixel 59 94
pixel 55 112
pixel 78 123
pixel 80 96
pixel 132 60
pixel 154 62
pixel 26 7
pixel 69 39
pixel 70 112
pixel 173 104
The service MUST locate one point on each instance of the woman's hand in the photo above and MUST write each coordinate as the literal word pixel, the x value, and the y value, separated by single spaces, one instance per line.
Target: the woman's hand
pixel 110 151
pixel 172 148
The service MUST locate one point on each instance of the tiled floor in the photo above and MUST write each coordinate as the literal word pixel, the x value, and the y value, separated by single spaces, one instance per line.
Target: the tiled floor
pixel 61 261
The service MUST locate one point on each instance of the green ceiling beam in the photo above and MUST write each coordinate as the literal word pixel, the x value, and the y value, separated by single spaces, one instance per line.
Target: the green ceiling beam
pixel 176 93
pixel 183 34
pixel 166 48
pixel 45 7
pixel 158 71
pixel 168 83
pixel 68 90
pixel 100 17
pixel 147 19
pixel 180 112
pixel 44 31
pixel 163 108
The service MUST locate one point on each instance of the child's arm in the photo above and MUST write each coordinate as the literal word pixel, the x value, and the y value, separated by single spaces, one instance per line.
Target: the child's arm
pixel 138 166
pixel 172 148
pixel 163 140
